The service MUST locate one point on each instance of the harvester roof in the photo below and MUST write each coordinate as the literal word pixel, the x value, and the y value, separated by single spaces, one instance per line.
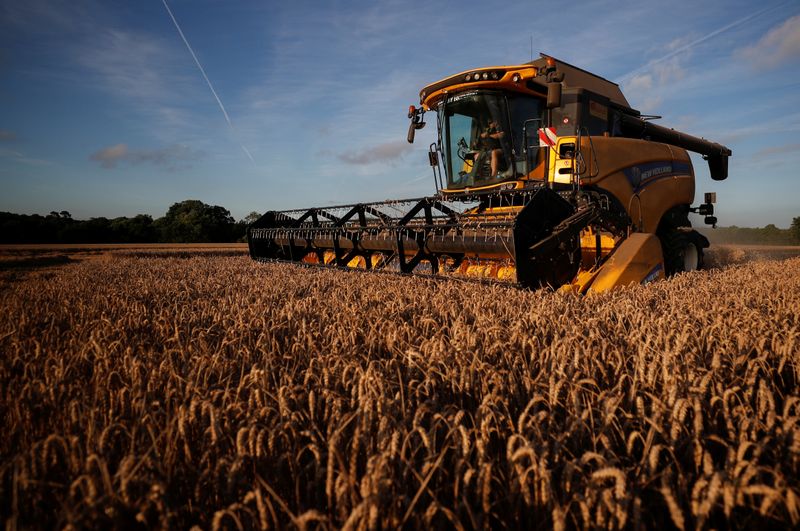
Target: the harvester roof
pixel 528 77
pixel 575 77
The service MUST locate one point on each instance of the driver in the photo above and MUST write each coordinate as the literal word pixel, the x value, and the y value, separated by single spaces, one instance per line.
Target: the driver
pixel 489 143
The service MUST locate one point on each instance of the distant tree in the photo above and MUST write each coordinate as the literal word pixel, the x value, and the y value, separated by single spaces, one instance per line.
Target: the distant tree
pixel 240 227
pixel 251 218
pixel 138 229
pixel 16 228
pixel 141 229
pixel 794 228
pixel 187 221
pixel 769 235
pixel 193 221
pixel 94 230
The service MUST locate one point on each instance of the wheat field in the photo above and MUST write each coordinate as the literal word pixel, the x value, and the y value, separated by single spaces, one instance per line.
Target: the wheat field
pixel 198 390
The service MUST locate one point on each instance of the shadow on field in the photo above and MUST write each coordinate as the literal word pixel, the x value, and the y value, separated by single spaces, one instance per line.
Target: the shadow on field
pixel 192 253
pixel 36 262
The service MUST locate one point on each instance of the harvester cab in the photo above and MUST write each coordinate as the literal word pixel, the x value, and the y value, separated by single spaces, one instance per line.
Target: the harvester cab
pixel 544 175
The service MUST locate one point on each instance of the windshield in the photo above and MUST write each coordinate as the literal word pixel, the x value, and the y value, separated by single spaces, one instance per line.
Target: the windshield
pixel 480 146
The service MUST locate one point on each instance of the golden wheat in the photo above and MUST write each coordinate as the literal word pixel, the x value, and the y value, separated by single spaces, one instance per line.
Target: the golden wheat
pixel 172 391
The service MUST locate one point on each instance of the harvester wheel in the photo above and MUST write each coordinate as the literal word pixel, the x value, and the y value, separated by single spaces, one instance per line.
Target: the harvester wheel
pixel 683 250
pixel 700 242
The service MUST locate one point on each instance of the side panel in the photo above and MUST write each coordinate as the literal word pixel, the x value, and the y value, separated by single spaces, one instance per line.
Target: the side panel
pixel 638 260
pixel 647 177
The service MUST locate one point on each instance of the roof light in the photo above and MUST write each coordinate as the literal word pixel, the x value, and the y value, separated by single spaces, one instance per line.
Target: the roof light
pixel 516 78
pixel 468 77
pixel 494 75
pixel 485 76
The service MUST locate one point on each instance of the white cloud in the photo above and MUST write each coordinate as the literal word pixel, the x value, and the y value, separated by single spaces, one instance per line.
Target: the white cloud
pixel 645 90
pixel 770 152
pixel 109 156
pixel 780 45
pixel 682 42
pixel 10 153
pixel 46 17
pixel 640 82
pixel 17 156
pixel 386 152
pixel 169 157
pixel 87 46
pixel 131 65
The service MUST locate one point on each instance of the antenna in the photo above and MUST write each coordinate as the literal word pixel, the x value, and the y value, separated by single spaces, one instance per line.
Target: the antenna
pixel 531 48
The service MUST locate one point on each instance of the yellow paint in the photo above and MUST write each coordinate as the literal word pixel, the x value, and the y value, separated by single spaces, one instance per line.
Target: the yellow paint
pixel 504 83
pixel 582 280
pixel 493 269
pixel 589 246
pixel 557 164
pixel 606 159
pixel 636 258
pixel 507 273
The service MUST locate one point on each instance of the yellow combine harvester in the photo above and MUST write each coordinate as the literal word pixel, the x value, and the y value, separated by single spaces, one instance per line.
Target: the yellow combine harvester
pixel 545 176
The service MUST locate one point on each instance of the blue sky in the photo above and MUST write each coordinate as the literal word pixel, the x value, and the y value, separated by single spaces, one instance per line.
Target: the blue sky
pixel 105 111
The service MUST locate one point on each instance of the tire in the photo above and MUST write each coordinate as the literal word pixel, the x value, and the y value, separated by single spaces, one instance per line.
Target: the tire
pixel 683 250
pixel 700 242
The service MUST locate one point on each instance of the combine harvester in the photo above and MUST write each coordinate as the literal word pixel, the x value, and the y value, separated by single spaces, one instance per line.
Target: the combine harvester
pixel 545 176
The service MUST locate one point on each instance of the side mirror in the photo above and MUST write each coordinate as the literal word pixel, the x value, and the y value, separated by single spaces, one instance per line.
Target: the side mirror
pixel 416 116
pixel 553 95
pixel 411 130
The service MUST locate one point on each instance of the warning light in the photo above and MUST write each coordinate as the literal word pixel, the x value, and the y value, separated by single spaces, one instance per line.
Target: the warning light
pixel 551 62
pixel 411 111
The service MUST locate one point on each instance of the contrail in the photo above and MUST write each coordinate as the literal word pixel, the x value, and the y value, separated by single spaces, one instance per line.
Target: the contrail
pixel 197 62
pixel 202 71
pixel 418 179
pixel 694 43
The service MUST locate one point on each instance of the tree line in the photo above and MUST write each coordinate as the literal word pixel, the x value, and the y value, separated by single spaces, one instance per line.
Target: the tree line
pixel 769 235
pixel 193 221
pixel 189 221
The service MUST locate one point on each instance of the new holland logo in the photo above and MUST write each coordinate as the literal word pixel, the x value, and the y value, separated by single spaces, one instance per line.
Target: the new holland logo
pixel 656 273
pixel 656 171
pixel 642 175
